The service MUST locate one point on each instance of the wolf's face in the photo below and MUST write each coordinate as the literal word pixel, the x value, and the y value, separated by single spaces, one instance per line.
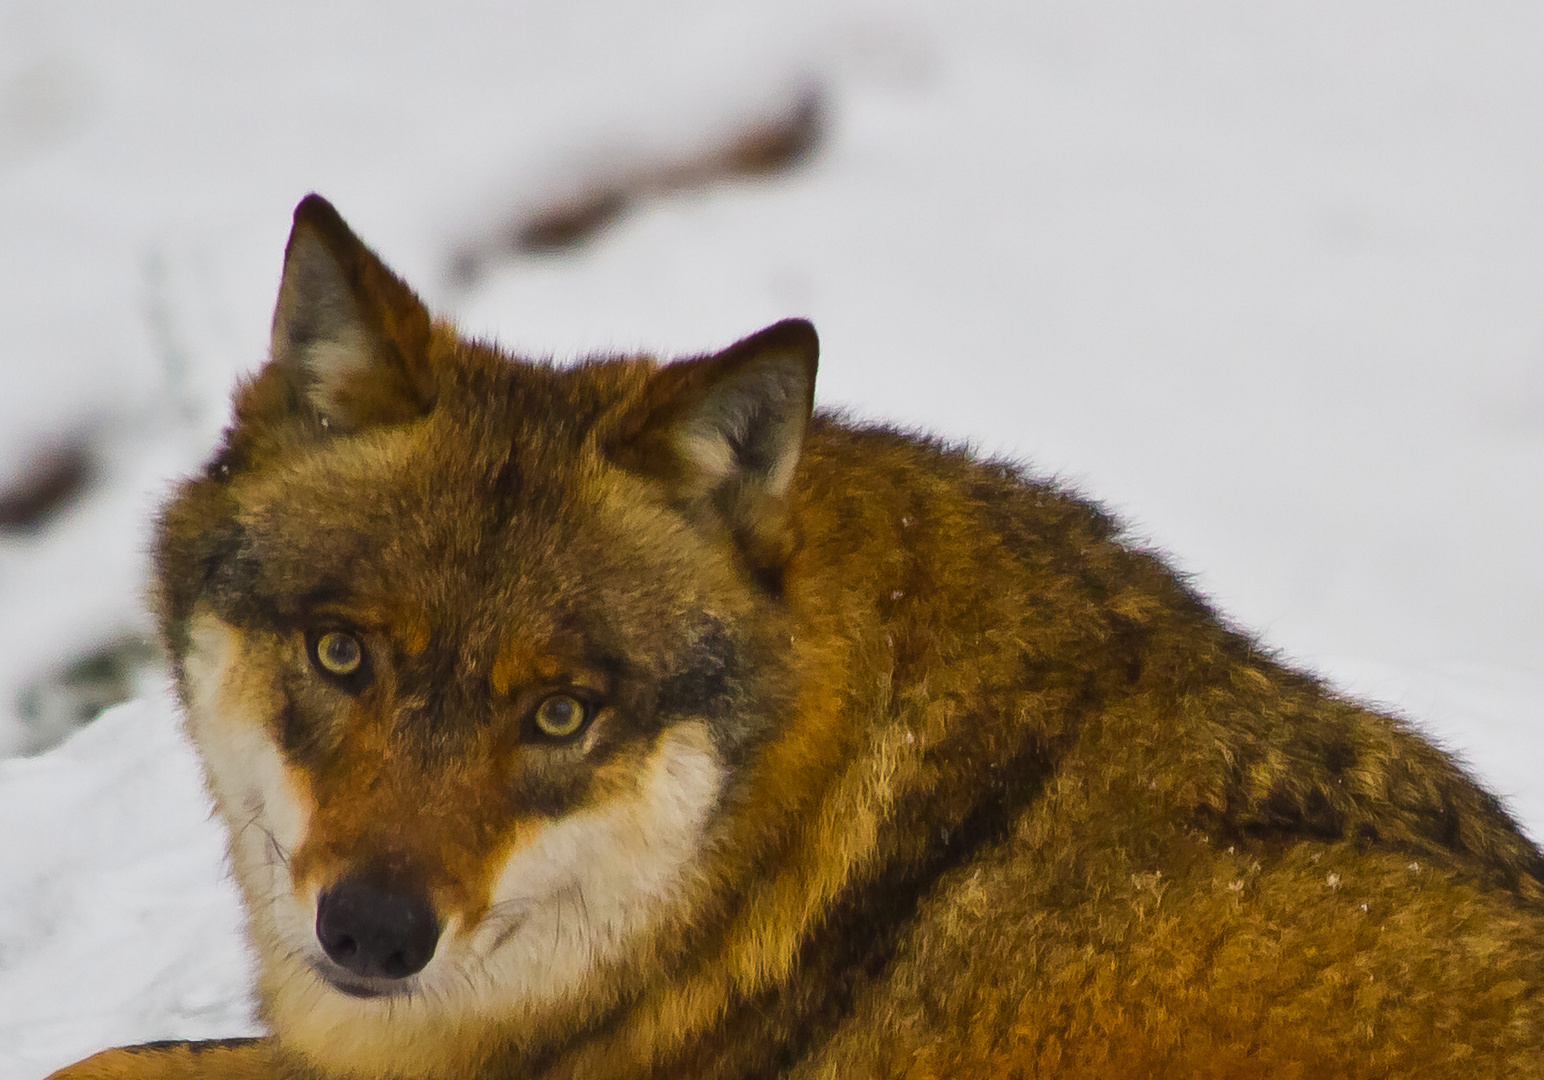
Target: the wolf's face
pixel 469 648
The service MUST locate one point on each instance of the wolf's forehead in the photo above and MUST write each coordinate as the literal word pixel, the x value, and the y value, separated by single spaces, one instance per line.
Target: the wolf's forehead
pixel 413 516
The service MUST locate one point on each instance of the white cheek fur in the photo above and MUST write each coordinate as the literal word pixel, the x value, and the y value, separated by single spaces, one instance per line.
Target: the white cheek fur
pixel 580 892
pixel 261 801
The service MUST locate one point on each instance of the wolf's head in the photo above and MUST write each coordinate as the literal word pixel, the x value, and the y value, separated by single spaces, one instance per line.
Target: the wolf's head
pixel 470 648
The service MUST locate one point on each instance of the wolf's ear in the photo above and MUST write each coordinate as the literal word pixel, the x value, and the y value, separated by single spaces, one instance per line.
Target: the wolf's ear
pixel 349 334
pixel 727 430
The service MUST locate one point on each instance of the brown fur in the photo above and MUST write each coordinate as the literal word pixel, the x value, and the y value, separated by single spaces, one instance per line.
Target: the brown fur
pixel 902 763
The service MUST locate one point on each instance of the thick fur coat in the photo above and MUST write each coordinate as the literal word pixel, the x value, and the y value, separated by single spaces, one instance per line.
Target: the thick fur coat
pixel 629 720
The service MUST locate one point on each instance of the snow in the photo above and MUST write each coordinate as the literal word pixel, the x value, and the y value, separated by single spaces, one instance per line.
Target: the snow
pixel 1266 280
pixel 114 917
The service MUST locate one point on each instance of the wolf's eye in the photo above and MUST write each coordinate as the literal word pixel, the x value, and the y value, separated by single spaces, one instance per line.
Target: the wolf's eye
pixel 560 716
pixel 337 654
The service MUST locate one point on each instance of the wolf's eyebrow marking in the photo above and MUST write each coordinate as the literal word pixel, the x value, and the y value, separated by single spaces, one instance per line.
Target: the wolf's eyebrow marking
pixel 522 659
pixel 411 632
pixel 405 622
pixel 329 597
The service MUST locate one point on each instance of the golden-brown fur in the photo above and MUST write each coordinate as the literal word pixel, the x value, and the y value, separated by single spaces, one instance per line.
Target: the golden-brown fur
pixel 895 763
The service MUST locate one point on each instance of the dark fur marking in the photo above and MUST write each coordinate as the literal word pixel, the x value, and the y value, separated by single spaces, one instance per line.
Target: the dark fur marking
pixel 1310 814
pixel 729 682
pixel 432 679
pixel 864 930
pixel 1128 643
pixel 1449 827
pixel 192 1046
pixel 768 578
pixel 293 736
pixel 1340 757
pixel 703 687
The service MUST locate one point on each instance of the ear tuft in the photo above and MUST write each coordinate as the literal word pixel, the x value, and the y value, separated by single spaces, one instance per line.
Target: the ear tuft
pixel 747 425
pixel 351 335
pixel 725 433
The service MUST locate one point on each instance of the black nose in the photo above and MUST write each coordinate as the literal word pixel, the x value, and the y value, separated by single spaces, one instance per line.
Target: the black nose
pixel 374 932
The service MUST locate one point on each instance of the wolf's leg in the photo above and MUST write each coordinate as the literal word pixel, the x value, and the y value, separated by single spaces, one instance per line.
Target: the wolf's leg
pixel 214 1059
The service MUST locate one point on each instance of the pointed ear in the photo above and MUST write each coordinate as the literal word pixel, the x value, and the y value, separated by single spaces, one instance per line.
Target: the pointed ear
pixel 727 431
pixel 351 337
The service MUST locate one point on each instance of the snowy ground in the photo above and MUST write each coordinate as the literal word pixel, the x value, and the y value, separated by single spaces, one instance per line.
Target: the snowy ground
pixel 1265 279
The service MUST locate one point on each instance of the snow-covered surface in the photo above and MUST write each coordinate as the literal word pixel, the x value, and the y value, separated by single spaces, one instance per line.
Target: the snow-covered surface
pixel 1266 279
pixel 114 919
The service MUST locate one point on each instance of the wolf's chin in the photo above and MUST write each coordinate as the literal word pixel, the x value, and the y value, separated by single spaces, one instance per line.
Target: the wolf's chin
pixel 364 989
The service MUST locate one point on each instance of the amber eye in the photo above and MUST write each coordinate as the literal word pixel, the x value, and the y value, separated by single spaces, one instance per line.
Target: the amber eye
pixel 560 716
pixel 338 654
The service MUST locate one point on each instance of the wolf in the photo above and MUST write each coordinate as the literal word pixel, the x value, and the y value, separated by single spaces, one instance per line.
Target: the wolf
pixel 633 719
